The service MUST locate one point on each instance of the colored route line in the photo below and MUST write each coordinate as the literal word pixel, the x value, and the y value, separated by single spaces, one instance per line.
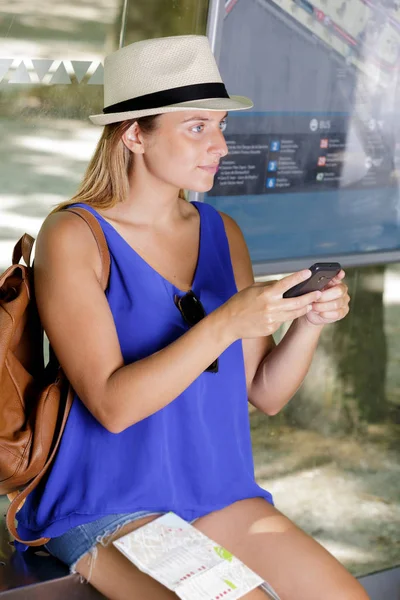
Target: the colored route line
pixel 229 4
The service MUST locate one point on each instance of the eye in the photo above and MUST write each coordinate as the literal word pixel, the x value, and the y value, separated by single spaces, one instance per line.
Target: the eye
pixel 198 128
pixel 223 125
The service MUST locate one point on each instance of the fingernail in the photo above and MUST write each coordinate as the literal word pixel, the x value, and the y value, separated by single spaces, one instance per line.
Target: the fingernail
pixel 309 307
pixel 319 294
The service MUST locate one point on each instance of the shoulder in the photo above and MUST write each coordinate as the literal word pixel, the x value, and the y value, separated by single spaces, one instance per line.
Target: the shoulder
pixel 62 223
pixel 232 229
pixel 65 238
pixel 240 256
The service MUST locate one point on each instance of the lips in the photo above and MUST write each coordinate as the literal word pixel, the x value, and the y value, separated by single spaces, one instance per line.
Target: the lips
pixel 210 169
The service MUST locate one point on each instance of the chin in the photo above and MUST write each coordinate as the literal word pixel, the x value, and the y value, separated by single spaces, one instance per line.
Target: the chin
pixel 201 188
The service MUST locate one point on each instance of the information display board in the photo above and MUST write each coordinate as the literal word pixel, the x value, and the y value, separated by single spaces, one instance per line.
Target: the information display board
pixel 313 170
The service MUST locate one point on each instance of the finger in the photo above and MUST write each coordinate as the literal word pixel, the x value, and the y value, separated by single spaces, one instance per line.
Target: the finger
pixel 290 280
pixel 334 315
pixel 333 292
pixel 291 315
pixel 337 279
pixel 331 316
pixel 299 302
pixel 322 307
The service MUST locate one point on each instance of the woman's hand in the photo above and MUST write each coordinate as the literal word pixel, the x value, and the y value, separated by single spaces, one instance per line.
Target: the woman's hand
pixel 259 310
pixel 333 305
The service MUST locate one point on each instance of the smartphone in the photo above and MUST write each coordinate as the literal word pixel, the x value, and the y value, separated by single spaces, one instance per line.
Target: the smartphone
pixel 321 274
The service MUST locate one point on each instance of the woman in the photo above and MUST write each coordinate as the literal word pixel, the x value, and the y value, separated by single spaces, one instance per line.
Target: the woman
pixel 164 363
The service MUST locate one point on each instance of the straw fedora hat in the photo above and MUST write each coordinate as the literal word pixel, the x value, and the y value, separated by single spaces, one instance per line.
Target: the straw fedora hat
pixel 164 75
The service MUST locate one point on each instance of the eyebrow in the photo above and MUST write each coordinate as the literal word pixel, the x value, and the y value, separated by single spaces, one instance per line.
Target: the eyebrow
pixel 199 118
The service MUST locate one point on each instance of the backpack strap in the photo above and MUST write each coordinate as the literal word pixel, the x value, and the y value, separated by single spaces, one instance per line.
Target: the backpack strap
pixel 98 234
pixel 24 248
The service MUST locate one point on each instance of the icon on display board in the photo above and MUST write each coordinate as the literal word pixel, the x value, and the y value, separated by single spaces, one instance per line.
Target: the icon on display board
pixel 271 182
pixel 322 161
pixel 275 146
pixel 324 143
pixel 272 165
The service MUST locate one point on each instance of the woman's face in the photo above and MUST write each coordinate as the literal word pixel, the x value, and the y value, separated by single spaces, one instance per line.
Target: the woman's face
pixel 186 147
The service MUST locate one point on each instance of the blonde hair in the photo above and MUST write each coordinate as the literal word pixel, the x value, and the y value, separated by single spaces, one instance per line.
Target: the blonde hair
pixel 106 180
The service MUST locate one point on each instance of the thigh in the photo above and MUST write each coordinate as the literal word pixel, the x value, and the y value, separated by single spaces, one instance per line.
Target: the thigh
pixel 296 566
pixel 115 576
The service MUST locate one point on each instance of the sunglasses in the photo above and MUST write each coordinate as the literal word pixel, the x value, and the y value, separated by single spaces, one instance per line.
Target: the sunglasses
pixel 192 312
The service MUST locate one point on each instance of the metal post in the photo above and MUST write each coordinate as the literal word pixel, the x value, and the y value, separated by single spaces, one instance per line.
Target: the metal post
pixel 215 21
pixel 123 24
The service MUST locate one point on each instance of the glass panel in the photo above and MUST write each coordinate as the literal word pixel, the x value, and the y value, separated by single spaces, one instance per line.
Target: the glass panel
pixel 159 18
pixel 51 80
pixel 314 167
pixel 331 457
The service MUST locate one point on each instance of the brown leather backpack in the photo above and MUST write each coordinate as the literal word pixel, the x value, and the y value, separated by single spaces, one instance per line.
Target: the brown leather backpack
pixel 35 399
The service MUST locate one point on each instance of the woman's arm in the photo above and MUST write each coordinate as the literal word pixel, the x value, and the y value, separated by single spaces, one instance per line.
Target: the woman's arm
pixel 274 373
pixel 280 374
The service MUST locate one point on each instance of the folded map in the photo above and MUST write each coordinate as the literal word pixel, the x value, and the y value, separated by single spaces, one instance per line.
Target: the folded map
pixel 188 562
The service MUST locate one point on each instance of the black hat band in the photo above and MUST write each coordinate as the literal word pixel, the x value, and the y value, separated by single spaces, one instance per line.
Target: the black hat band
pixel 186 93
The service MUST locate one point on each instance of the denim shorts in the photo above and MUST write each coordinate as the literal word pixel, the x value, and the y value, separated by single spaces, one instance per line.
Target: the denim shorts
pixel 75 543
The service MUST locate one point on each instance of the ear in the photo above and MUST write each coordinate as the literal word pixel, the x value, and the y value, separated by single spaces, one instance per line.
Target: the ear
pixel 133 139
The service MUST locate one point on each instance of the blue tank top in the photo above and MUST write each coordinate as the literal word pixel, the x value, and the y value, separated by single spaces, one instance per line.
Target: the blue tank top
pixel 192 457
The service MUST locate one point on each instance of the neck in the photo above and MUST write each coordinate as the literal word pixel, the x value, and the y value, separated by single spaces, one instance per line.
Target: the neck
pixel 150 200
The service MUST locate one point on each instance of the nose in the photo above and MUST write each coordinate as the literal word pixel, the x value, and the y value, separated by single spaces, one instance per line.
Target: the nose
pixel 218 145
